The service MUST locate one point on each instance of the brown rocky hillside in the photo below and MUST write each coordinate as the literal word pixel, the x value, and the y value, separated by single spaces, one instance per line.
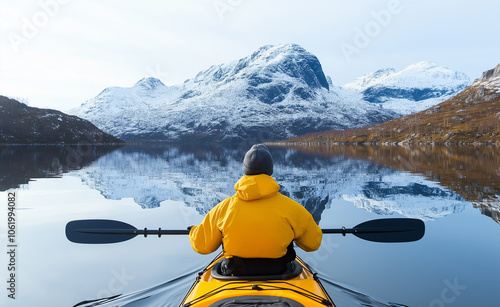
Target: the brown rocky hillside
pixel 470 117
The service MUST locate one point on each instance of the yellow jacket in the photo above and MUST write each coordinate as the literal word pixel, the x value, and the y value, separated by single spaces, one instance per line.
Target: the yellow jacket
pixel 257 222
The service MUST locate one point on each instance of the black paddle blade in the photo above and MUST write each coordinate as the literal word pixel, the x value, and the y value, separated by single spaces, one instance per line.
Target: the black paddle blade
pixel 391 230
pixel 99 231
pixel 395 230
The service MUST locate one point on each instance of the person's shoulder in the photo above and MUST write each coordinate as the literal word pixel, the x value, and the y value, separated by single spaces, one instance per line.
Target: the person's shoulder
pixel 224 204
pixel 288 200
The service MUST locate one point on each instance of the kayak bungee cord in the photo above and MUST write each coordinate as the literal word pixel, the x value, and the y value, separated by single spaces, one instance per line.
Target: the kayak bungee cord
pixel 308 268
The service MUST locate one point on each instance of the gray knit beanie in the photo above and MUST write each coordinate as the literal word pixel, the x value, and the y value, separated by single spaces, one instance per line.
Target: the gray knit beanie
pixel 258 160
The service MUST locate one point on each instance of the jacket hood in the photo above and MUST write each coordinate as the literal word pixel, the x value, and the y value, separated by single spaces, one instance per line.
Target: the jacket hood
pixel 255 187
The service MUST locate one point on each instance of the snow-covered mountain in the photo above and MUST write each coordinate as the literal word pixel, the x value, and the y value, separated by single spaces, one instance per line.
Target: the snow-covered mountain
pixel 413 89
pixel 275 93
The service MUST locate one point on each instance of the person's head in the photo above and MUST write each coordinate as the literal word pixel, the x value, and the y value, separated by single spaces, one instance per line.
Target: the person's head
pixel 258 160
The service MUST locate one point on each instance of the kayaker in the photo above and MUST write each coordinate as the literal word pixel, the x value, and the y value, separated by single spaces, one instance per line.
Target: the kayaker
pixel 257 226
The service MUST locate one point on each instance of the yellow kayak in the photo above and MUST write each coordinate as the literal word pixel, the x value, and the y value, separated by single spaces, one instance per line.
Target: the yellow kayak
pixel 297 287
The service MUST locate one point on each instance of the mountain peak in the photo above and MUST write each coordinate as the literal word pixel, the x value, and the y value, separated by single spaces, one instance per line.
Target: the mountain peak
pixel 293 60
pixel 423 65
pixel 287 63
pixel 275 52
pixel 487 87
pixel 149 83
pixel 490 79
pixel 492 73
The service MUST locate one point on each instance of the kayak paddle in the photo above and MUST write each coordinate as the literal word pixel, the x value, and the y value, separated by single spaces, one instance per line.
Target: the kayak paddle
pixel 110 231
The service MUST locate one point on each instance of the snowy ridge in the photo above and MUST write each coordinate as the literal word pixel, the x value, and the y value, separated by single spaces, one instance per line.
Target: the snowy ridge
pixel 413 89
pixel 419 75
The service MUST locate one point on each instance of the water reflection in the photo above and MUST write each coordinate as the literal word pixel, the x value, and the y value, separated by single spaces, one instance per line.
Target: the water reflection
pixel 20 164
pixel 471 172
pixel 316 176
pixel 202 177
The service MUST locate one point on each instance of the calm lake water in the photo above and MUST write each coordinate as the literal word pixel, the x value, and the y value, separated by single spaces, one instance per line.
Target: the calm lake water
pixel 455 190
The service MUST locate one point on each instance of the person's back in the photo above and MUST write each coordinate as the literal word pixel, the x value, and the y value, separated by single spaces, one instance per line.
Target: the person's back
pixel 258 225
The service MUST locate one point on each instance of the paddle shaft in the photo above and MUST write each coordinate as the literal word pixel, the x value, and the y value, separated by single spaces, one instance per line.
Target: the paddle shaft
pixel 147 232
pixel 144 232
pixel 345 231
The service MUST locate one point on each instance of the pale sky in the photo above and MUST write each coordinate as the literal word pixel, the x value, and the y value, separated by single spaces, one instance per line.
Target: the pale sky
pixel 59 53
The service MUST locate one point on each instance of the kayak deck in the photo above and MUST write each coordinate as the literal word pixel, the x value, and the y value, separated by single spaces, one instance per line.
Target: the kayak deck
pixel 300 287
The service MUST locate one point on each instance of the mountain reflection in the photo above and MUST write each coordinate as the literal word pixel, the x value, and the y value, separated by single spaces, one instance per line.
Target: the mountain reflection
pixel 20 164
pixel 471 172
pixel 425 183
pixel 201 177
